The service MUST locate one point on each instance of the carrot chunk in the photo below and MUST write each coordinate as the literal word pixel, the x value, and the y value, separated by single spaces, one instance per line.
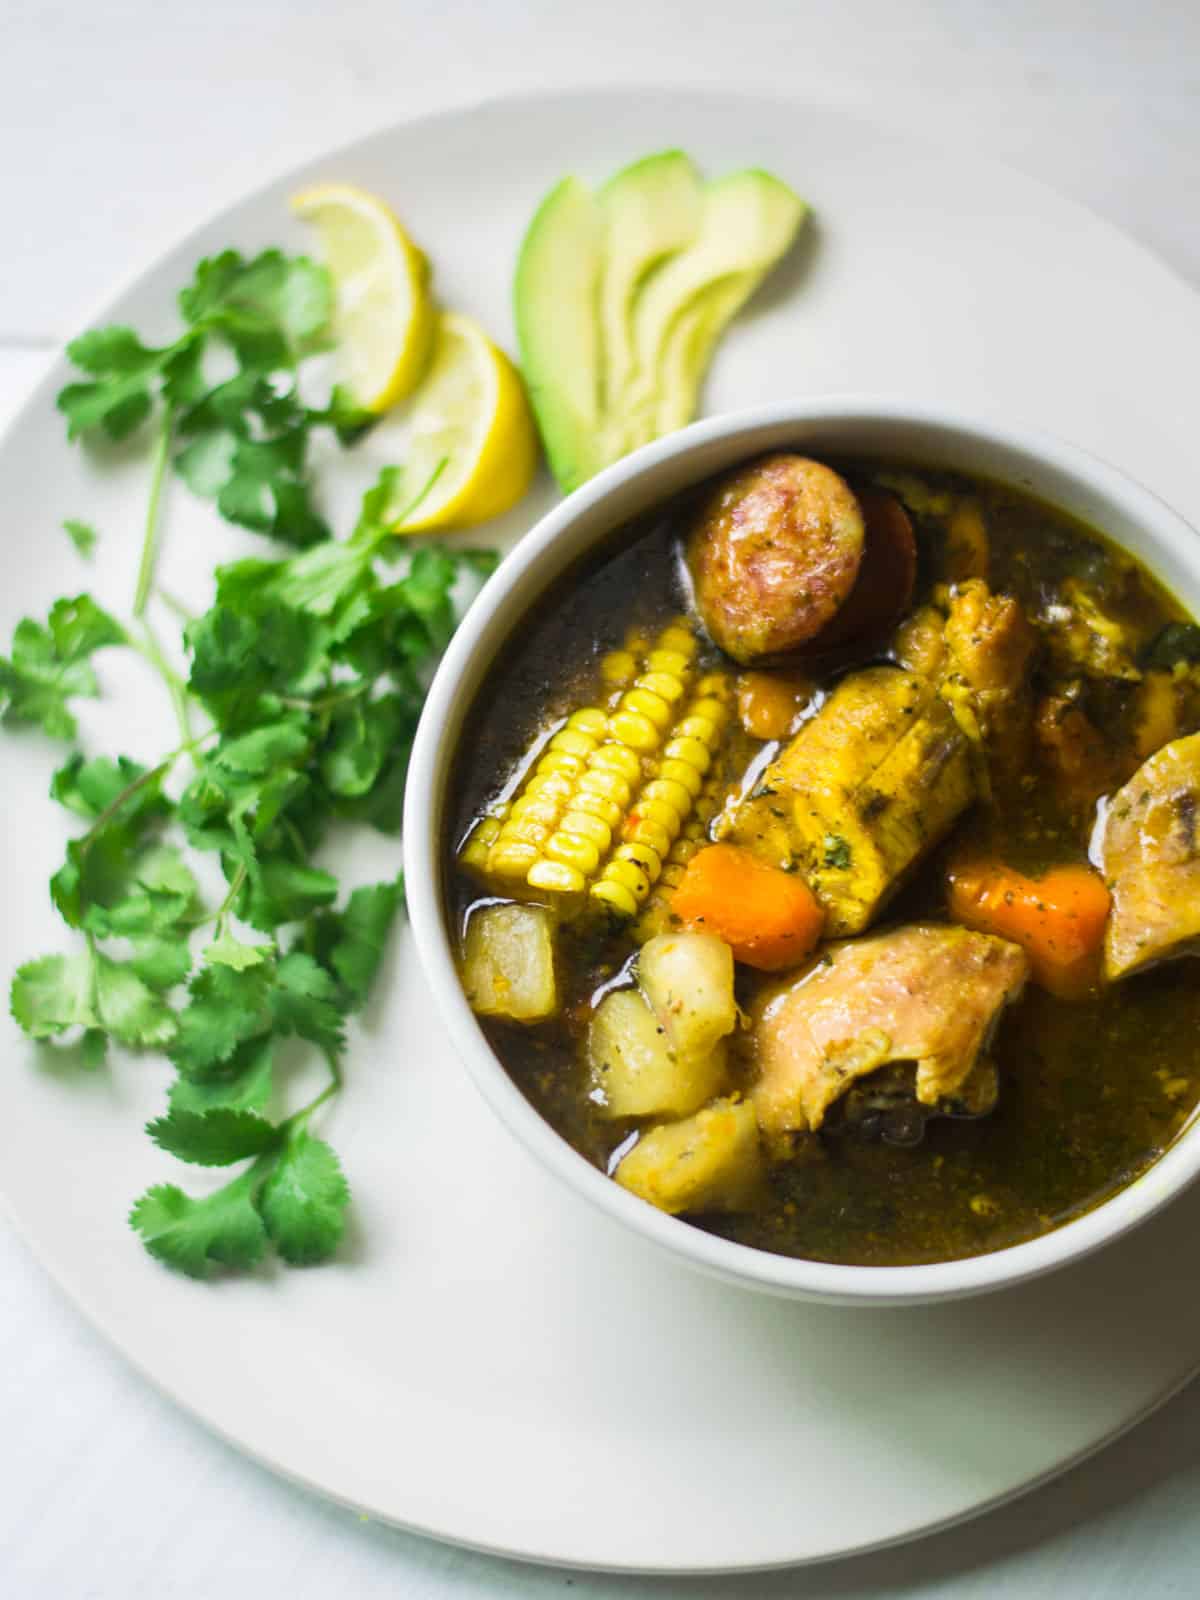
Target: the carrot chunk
pixel 769 918
pixel 1057 919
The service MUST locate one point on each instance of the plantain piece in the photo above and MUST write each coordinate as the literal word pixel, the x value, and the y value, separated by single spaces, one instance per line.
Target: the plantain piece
pixel 876 779
pixel 1150 848
pixel 614 786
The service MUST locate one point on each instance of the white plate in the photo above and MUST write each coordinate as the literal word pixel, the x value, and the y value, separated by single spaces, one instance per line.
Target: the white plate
pixel 490 1361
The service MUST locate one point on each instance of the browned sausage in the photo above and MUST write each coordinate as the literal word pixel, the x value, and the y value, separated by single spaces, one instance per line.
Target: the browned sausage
pixel 773 554
pixel 885 582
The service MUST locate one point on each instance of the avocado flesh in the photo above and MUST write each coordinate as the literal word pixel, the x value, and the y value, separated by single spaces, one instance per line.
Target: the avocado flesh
pixel 652 211
pixel 750 221
pixel 554 300
pixel 621 299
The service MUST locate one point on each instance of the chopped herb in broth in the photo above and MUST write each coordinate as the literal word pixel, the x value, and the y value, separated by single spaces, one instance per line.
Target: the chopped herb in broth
pixel 959 1021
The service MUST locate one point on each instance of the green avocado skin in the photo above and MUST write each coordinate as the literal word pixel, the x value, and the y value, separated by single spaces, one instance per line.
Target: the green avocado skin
pixel 620 298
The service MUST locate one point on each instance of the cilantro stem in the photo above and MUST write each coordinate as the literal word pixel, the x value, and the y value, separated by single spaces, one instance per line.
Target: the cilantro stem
pixel 235 884
pixel 152 651
pixel 158 470
pixel 299 1119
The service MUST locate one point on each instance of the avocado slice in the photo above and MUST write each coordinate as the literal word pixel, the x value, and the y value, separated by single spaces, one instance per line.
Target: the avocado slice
pixel 652 210
pixel 750 221
pixel 621 297
pixel 555 298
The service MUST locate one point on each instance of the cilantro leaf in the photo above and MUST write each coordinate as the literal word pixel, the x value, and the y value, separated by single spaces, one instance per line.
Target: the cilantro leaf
pixel 92 991
pixel 226 951
pixel 50 663
pixel 304 1001
pixel 303 1201
pixel 245 1084
pixel 285 891
pixel 118 396
pixel 223 1228
pixel 350 942
pixel 162 963
pixel 213 1138
pixel 226 1009
pixel 272 309
pixel 82 535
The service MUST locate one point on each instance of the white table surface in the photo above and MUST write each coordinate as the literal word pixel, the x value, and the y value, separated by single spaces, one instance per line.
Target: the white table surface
pixel 124 123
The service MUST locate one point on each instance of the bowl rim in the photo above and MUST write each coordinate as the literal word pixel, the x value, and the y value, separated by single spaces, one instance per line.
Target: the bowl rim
pixel 527 572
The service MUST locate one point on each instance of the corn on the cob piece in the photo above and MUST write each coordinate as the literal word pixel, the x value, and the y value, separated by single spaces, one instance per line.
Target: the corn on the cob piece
pixel 605 803
pixel 654 916
pixel 668 801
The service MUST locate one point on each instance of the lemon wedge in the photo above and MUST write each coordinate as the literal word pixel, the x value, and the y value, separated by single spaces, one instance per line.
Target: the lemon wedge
pixel 472 445
pixel 383 316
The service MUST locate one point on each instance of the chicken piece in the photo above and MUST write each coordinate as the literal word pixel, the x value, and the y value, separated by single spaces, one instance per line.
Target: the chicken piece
pixel 773 554
pixel 1084 638
pixel 865 788
pixel 985 677
pixel 1081 766
pixel 920 642
pixel 1150 855
pixel 926 993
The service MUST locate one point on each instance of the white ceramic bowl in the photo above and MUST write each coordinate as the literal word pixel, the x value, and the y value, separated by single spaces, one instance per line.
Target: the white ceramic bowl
pixel 850 425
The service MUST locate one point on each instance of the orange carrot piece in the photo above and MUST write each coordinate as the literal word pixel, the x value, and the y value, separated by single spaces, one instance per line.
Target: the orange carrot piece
pixel 1057 919
pixel 769 918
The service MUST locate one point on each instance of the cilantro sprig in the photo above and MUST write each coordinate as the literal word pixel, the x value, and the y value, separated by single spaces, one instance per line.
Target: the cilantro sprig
pixel 311 672
pixel 238 437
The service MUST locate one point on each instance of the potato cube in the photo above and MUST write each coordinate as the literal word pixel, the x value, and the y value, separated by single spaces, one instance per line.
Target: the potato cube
pixel 709 1162
pixel 508 963
pixel 688 980
pixel 635 1067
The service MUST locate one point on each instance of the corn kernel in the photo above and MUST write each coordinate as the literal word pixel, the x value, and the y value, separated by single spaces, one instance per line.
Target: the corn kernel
pixel 644 832
pixel 616 758
pixel 600 806
pixel 536 808
pixel 591 720
pixel 573 742
pixel 690 751
pixel 667 685
pixel 683 773
pixel 511 858
pixel 556 876
pixel 643 856
pixel 669 793
pixel 712 708
pixel 664 816
pixel 549 785
pixel 671 663
pixel 561 761
pixel 629 874
pixel 572 849
pixel 617 667
pixel 651 706
pixel 634 730
pixel 615 895
pixel 702 728
pixel 579 822
pixel 679 638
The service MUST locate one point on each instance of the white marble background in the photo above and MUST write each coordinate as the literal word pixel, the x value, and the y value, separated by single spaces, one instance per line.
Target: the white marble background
pixel 123 123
